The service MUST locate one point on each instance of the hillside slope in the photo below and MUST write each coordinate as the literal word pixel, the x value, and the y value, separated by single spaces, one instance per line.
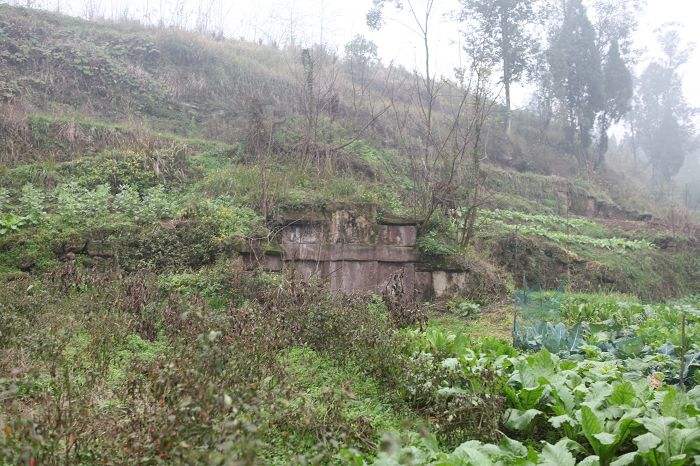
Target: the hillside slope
pixel 102 111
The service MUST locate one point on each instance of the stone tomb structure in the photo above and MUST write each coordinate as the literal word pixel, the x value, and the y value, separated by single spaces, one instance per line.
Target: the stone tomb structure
pixel 355 252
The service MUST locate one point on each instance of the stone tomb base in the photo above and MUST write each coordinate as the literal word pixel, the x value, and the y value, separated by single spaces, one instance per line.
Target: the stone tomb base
pixel 355 254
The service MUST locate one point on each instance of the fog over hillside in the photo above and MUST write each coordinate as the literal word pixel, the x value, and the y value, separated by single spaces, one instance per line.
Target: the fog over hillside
pixel 335 22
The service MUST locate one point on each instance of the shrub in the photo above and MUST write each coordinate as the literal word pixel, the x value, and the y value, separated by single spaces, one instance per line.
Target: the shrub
pixel 432 246
pixel 139 169
pixel 456 387
pixel 190 243
pixel 463 307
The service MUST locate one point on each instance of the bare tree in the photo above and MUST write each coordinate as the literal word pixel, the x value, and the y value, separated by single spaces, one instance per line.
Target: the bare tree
pixel 448 120
pixel 316 75
pixel 93 9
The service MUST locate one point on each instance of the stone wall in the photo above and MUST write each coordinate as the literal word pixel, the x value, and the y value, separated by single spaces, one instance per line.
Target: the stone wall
pixel 354 252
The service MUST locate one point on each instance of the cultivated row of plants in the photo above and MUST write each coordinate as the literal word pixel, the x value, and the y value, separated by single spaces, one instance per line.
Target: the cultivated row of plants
pixel 553 222
pixel 663 337
pixel 612 243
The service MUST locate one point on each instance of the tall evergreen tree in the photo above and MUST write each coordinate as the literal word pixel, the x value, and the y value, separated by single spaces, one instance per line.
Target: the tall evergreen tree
pixel 615 22
pixel 618 88
pixel 577 79
pixel 500 34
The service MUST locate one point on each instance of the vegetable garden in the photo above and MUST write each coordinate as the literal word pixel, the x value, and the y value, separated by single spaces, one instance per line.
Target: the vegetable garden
pixel 613 382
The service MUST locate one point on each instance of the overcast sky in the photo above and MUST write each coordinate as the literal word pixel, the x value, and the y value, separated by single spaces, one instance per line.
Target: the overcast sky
pixel 335 22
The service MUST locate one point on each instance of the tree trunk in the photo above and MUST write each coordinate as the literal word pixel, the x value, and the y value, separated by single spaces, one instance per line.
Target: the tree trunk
pixel 505 53
pixel 506 84
pixel 602 142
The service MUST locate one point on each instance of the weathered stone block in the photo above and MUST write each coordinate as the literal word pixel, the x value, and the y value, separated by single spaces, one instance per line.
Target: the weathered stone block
pixel 310 233
pixel 448 283
pixel 398 235
pixel 305 252
pixel 348 227
pixel 306 270
pixel 353 276
pixel 423 284
pixel 351 252
pixel 387 270
pixel 395 254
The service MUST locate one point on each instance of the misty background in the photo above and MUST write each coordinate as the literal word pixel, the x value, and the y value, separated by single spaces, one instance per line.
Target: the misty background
pixel 335 22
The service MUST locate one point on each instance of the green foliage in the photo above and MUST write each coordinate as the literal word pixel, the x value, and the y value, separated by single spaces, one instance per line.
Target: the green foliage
pixel 593 412
pixel 31 203
pixel 133 168
pixel 610 326
pixel 192 243
pixel 235 221
pixel 431 245
pixel 463 307
pixel 337 393
pixel 552 222
pixel 555 338
pixel 599 308
pixel 539 229
pixel 10 222
pixel 211 283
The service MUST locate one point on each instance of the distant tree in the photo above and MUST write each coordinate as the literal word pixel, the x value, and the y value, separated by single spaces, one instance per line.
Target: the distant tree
pixel 500 33
pixel 662 117
pixel 360 60
pixel 615 23
pixel 361 51
pixel 618 89
pixel 577 78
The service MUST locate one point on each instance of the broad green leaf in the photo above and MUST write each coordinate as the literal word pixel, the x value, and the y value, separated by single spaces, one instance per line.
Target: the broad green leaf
pixel 530 397
pixel 557 421
pixel 592 460
pixel 517 419
pixel 646 442
pixel 598 393
pixel 658 426
pixel 565 396
pixel 591 425
pixel 513 447
pixel 470 452
pixel 623 394
pixel 684 440
pixel 677 460
pixel 605 438
pixel 625 459
pixel 590 422
pixel 556 455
